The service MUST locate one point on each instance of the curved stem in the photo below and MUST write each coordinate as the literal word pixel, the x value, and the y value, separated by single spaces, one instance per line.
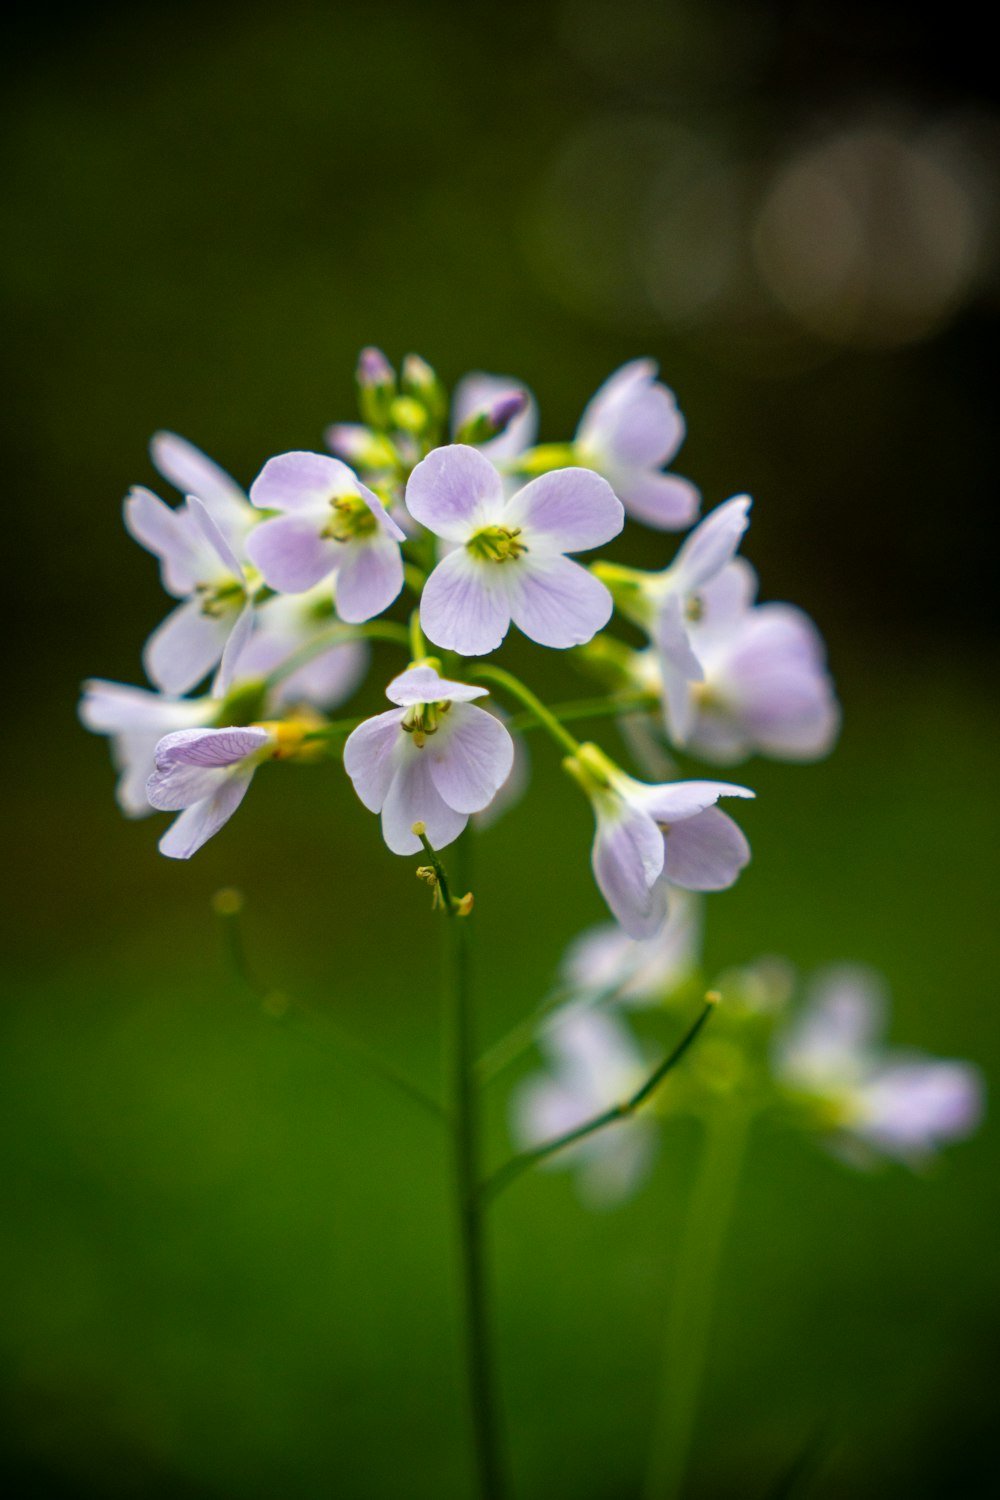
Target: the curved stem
pixel 689 1314
pixel 514 1167
pixel 516 688
pixel 585 708
pixel 465 1124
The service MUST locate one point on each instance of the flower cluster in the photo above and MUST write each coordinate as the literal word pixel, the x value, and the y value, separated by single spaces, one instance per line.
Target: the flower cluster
pixel 451 500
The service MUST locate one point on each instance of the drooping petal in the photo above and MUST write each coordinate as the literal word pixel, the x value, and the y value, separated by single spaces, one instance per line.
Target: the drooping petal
pixel 238 638
pixel 627 859
pixel 413 798
pixel 465 605
pixel 291 553
pixel 369 578
pixel 662 500
pixel 198 823
pixel 673 642
pixel 370 757
pixel 303 483
pixel 218 543
pixel 424 685
pixel 711 545
pixel 454 491
pixel 470 757
pixel 159 529
pixel 706 852
pixel 672 801
pixel 556 602
pixel 191 764
pixel 572 509
pixel 186 646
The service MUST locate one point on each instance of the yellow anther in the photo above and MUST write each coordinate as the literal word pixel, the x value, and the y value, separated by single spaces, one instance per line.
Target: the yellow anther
pixel 496 543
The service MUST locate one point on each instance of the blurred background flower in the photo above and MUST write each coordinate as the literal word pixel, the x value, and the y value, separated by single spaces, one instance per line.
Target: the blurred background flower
pixel 225 1250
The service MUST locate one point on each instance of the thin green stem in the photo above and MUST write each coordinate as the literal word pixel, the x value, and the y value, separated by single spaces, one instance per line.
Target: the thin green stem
pixel 372 630
pixel 414 578
pixel 584 708
pixel 465 1122
pixel 320 1029
pixel 517 689
pixel 418 646
pixel 516 1165
pixel 692 1296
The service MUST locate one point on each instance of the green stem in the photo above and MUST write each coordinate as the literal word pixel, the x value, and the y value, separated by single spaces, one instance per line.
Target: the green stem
pixel 465 1126
pixel 585 708
pixel 689 1315
pixel 533 704
pixel 516 1165
pixel 418 646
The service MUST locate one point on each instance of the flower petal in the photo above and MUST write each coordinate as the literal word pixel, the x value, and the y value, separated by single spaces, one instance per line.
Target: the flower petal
pixel 214 537
pixel 632 418
pixel 706 852
pixel 627 859
pixel 159 529
pixel 424 685
pixel 191 472
pixel 556 602
pixel 413 798
pixel 369 578
pixel 465 605
pixel 370 757
pixel 662 500
pixel 477 392
pixel 454 491
pixel 673 801
pixel 190 764
pixel 573 509
pixel 238 638
pixel 470 757
pixel 198 823
pixel 186 646
pixel 291 554
pixel 711 545
pixel 302 483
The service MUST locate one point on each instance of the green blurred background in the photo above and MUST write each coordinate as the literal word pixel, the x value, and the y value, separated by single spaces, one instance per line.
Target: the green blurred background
pixel 225 1250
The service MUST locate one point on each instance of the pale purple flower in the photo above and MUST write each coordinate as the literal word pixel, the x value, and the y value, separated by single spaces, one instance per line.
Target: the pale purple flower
pixel 765 687
pixel 650 838
pixel 876 1102
pixel 509 561
pixel 135 720
pixel 594 1064
pixel 283 626
pixel 204 774
pixel 192 473
pixel 477 393
pixel 331 523
pixel 434 759
pixel 629 431
pixel 605 961
pixel 198 564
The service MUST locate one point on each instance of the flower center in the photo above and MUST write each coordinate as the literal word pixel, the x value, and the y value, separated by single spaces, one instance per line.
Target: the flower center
pixel 496 543
pixel 351 520
pixel 423 719
pixel 219 598
pixel 694 609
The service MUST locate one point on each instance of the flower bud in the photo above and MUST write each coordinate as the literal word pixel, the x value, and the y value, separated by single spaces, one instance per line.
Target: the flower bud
pixel 420 382
pixel 492 420
pixel 376 387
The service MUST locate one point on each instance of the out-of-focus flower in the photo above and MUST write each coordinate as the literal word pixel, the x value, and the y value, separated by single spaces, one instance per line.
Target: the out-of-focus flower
pixel 874 1102
pixel 135 720
pixel 434 759
pixel 630 430
pixel 192 473
pixel 332 523
pixel 606 961
pixel 650 838
pixel 198 565
pixel 204 774
pixel 595 1063
pixel 480 394
pixel 509 561
pixel 765 687
pixel 289 623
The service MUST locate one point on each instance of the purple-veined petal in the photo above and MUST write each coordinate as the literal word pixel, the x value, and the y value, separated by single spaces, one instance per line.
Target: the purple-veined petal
pixel 555 601
pixel 465 605
pixel 477 392
pixel 186 646
pixel 369 578
pixel 572 509
pixel 371 757
pixel 454 492
pixel 627 859
pixel 198 823
pixel 238 638
pixel 711 545
pixel 706 852
pixel 209 747
pixel 413 798
pixel 291 553
pixel 303 483
pixel 424 685
pixel 470 757
pixel 665 501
